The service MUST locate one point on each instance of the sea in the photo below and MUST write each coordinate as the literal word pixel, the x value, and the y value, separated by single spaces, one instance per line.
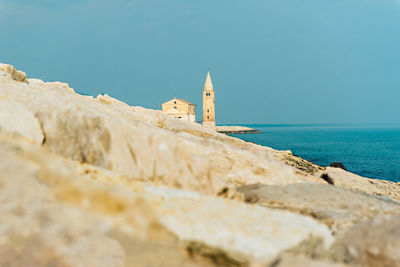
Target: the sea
pixel 367 150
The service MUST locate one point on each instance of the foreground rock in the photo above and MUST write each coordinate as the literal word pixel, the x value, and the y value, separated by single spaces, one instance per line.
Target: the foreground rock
pixel 57 210
pixel 287 260
pixel 375 243
pixel 244 232
pixel 336 207
pixel 16 120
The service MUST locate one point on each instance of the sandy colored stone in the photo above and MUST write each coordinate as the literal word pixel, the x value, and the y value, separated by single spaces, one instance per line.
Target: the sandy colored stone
pixel 58 212
pixel 16 75
pixel 374 243
pixel 301 165
pixel 17 120
pixel 235 227
pixel 287 260
pixel 355 182
pixel 67 210
pixel 338 208
pixel 35 229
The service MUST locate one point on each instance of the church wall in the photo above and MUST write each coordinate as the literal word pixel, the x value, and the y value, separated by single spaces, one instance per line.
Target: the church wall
pixel 180 110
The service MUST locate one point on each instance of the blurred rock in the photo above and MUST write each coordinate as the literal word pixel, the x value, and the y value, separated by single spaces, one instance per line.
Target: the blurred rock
pixel 234 227
pixel 351 181
pixel 16 120
pixel 336 207
pixel 287 260
pixel 375 243
pixel 37 230
pixel 65 210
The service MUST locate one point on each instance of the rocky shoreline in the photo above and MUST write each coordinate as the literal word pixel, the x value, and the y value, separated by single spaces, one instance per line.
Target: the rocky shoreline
pixel 90 181
pixel 236 130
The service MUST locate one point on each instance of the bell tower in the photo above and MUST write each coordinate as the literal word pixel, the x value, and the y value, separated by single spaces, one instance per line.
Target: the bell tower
pixel 208 103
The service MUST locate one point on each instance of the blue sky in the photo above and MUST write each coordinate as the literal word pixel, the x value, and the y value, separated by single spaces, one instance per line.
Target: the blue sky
pixel 271 61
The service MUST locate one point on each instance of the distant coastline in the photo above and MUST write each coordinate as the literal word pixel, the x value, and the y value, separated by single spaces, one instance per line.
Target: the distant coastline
pixel 344 125
pixel 236 130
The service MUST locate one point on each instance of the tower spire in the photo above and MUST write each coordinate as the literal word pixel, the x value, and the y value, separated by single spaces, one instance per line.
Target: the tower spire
pixel 208 85
pixel 208 103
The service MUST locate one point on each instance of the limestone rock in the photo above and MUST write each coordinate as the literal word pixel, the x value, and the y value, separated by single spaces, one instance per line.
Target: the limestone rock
pixel 334 206
pixel 15 119
pixel 235 227
pixel 16 75
pixel 355 182
pixel 300 164
pixel 287 260
pixel 36 230
pixel 66 210
pixel 61 213
pixel 374 243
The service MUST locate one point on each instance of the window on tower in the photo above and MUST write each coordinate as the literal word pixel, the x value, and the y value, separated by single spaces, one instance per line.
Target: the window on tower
pixel 174 107
pixel 208 110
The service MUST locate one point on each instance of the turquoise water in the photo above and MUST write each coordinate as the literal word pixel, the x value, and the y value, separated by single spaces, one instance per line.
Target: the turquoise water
pixel 370 151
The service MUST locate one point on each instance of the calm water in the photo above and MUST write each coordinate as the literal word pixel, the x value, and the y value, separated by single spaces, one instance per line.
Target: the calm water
pixel 370 151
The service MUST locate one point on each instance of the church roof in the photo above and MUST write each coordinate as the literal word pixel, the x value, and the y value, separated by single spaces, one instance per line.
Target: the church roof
pixel 180 100
pixel 184 101
pixel 208 85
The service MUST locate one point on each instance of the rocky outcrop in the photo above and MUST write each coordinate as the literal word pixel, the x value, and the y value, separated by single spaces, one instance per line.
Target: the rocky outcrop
pixel 65 210
pixel 16 75
pixel 95 182
pixel 231 226
pixel 373 243
pixel 336 207
pixel 301 165
pixel 16 120
pixel 351 181
pixel 144 144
